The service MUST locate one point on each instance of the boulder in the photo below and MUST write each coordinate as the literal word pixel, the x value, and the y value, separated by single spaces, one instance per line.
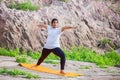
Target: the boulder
pixel 95 20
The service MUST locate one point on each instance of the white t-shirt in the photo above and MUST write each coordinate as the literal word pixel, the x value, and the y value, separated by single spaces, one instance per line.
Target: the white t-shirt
pixel 53 39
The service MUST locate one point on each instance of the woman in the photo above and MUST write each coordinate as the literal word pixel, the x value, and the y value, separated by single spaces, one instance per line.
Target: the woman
pixel 52 43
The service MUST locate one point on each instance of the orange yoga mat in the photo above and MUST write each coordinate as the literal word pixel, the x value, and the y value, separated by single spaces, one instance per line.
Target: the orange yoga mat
pixel 49 70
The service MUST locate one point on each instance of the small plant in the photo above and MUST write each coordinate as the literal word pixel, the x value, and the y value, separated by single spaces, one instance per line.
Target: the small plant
pixel 105 41
pixel 34 55
pixel 16 72
pixel 85 67
pixel 110 58
pixel 50 61
pixel 111 71
pixel 4 70
pixel 103 66
pixel 52 57
pixel 64 0
pixel 10 52
pixel 114 1
pixel 24 6
pixel 0 0
pixel 29 76
pixel 21 59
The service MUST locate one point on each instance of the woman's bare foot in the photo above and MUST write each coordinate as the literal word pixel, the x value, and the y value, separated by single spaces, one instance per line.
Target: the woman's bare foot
pixel 62 72
pixel 34 66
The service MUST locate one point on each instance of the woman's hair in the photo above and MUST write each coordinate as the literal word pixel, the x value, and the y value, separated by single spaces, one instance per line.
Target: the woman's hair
pixel 54 19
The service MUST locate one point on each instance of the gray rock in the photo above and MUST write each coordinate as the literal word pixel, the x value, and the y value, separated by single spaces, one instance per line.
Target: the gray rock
pixel 95 20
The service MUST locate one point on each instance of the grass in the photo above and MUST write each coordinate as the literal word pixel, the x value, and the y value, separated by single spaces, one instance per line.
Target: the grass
pixel 104 41
pixel 85 67
pixel 110 58
pixel 16 72
pixel 10 52
pixel 24 6
pixel 51 62
pixel 111 71
pixel 64 0
pixel 21 59
pixel 36 55
pixel 103 66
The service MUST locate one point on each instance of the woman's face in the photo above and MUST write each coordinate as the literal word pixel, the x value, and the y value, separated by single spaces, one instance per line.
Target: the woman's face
pixel 55 24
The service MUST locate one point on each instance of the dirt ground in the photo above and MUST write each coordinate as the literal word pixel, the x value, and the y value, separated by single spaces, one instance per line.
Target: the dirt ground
pixel 93 73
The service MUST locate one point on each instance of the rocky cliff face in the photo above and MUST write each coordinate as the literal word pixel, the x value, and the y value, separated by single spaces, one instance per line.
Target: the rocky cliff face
pixel 95 20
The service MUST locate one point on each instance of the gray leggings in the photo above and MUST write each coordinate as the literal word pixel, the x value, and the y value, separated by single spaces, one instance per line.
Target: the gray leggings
pixel 57 51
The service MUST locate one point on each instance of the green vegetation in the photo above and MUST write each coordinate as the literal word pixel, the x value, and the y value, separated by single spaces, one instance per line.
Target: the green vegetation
pixel 85 67
pixel 118 9
pixel 103 66
pixel 51 62
pixel 84 54
pixel 21 59
pixel 115 8
pixel 34 55
pixel 111 71
pixel 114 0
pixel 16 72
pixel 0 0
pixel 110 58
pixel 24 6
pixel 11 53
pixel 108 0
pixel 64 0
pixel 107 41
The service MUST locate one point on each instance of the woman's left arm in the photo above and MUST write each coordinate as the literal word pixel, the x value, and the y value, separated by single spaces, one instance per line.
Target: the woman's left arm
pixel 67 28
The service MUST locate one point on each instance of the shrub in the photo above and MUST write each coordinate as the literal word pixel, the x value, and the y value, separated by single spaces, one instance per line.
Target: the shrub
pixel 16 72
pixel 110 58
pixel 105 40
pixel 24 6
pixel 64 0
pixel 10 52
pixel 21 59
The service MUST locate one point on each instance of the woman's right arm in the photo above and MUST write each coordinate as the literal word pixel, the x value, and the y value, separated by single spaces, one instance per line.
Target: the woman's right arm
pixel 42 25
